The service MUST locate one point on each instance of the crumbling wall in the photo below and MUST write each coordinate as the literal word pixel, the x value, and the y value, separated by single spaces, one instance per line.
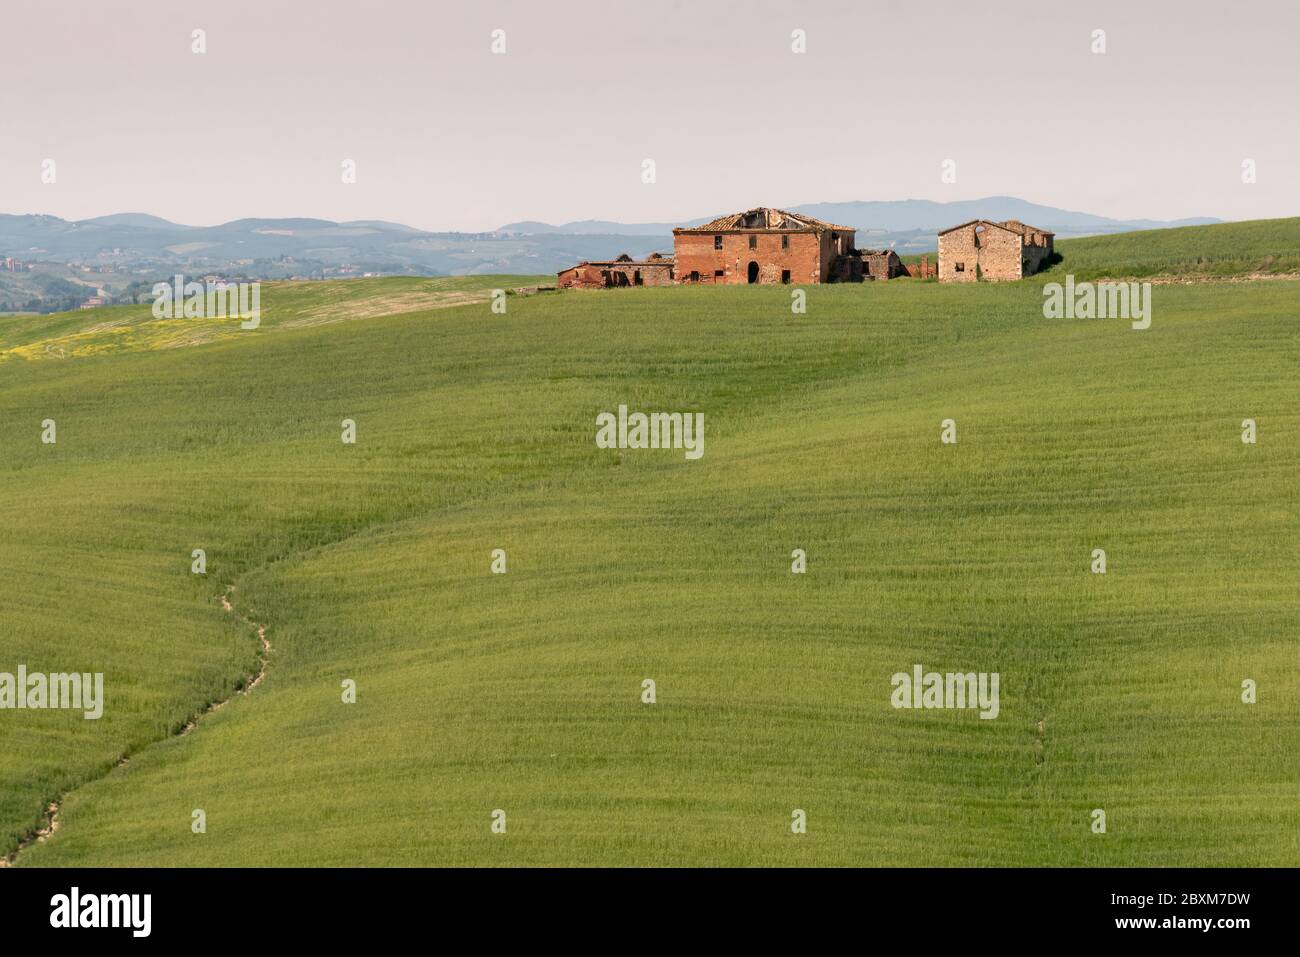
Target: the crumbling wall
pixel 881 264
pixel 616 275
pixel 1032 258
pixel 581 276
pixel 925 269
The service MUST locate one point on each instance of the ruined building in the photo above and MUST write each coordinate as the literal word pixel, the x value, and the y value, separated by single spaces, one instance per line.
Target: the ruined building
pixel 981 249
pixel 657 270
pixel 761 245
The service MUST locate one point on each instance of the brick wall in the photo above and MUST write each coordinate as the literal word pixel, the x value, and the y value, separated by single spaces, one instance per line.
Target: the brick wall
pixel 925 269
pixel 807 256
pixel 616 275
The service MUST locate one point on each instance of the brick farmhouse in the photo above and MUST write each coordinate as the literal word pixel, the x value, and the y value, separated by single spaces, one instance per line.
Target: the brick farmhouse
pixel 981 249
pixel 765 245
pixel 761 245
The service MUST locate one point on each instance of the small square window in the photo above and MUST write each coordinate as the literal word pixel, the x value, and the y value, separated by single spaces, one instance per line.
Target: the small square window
pixel 959 267
pixel 718 274
pixel 753 242
pixel 717 242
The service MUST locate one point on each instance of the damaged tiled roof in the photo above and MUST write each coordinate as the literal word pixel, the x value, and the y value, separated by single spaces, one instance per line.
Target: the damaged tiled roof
pixel 1017 226
pixel 1010 225
pixel 763 217
pixel 656 259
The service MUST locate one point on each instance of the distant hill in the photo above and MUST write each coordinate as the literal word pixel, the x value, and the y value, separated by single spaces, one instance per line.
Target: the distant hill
pixel 141 245
pixel 143 220
pixel 599 227
pixel 924 214
pixel 908 225
pixel 277 247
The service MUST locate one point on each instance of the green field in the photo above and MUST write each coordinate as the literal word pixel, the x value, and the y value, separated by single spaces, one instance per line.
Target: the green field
pixel 522 692
pixel 1263 246
pixel 1227 251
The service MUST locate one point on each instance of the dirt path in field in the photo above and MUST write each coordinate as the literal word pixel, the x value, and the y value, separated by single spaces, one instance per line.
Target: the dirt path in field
pixel 250 681
pixel 51 824
pixel 1192 280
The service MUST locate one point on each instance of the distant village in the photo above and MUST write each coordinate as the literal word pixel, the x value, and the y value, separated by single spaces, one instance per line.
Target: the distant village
pixel 770 246
pixel 119 277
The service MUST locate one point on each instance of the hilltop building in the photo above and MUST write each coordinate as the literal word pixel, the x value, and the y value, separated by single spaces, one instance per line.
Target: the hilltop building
pixel 981 249
pixel 759 246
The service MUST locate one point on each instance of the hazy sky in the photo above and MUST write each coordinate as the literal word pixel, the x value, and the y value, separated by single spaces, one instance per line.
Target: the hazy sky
pixel 448 135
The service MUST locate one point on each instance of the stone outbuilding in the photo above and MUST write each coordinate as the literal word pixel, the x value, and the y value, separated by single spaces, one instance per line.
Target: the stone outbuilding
pixel 985 250
pixel 881 264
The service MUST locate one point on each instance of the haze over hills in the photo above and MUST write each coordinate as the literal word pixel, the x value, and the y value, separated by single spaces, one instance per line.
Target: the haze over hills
pixel 890 216
pixel 113 257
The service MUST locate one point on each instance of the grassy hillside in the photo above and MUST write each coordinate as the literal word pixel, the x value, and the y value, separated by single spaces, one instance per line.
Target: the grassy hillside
pixel 522 691
pixel 1221 250
pixel 284 305
pixel 1267 246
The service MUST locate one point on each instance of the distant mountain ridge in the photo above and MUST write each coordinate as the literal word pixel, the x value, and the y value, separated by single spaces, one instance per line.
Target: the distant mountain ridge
pixel 904 215
pixel 118 250
pixel 135 246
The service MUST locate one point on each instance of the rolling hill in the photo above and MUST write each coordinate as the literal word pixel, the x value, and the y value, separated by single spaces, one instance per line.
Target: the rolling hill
pixel 521 692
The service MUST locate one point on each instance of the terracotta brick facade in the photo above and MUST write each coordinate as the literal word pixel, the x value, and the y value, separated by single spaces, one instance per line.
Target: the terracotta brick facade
pixel 739 258
pixel 760 246
pixel 984 250
pixel 624 271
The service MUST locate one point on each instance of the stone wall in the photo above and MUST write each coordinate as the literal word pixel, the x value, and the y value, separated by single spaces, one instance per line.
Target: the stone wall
pixel 1033 256
pixel 881 264
pixel 979 251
